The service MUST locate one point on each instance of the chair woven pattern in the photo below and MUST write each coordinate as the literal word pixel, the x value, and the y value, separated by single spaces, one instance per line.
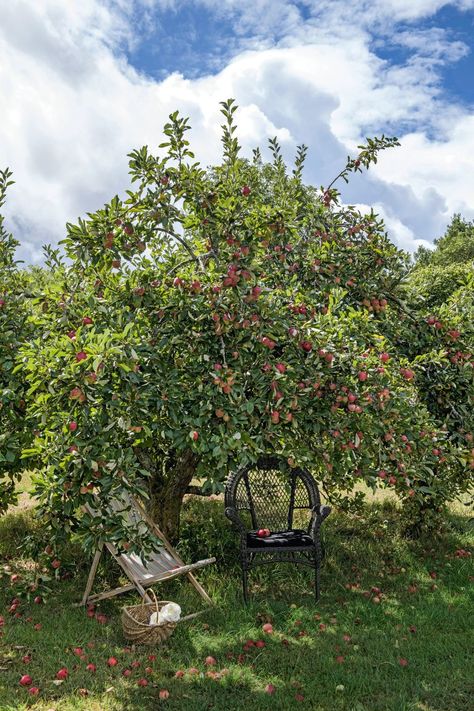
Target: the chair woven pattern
pixel 271 496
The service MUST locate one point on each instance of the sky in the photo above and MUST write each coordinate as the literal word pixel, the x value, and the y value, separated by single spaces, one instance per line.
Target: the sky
pixel 83 83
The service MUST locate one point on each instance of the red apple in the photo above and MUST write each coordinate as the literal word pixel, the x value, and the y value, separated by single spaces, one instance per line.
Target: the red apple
pixel 62 673
pixel 91 667
pixel 86 321
pixel 142 682
pixel 33 690
pixel 26 680
pixel 81 356
pixel 269 689
pixel 112 662
pixel 306 346
pixel 362 375
pixel 245 190
pixel 73 426
pixel 210 661
pixel 268 628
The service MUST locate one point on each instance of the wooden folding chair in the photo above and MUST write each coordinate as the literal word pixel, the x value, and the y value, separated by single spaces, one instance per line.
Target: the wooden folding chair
pixel 162 565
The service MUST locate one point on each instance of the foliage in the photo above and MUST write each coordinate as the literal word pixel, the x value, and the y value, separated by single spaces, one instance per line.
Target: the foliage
pixel 439 296
pixel 433 285
pixel 438 273
pixel 454 247
pixel 13 332
pixel 214 315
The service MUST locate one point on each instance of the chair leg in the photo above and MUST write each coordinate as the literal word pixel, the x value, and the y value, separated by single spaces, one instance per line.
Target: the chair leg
pixel 90 580
pixel 245 584
pixel 317 579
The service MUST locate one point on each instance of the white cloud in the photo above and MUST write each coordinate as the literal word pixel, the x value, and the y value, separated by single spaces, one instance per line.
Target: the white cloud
pixel 442 165
pixel 73 108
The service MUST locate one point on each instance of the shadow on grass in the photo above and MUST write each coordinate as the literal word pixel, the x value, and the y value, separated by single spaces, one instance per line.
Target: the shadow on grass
pixel 385 601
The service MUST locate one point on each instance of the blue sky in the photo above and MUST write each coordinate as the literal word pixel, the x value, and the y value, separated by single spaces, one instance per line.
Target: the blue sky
pixel 84 83
pixel 195 40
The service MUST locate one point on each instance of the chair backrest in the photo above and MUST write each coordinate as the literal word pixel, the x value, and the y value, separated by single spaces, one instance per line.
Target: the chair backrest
pixel 157 562
pixel 125 505
pixel 271 491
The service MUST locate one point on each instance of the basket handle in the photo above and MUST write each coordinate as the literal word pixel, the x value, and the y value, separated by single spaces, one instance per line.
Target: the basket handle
pixel 150 590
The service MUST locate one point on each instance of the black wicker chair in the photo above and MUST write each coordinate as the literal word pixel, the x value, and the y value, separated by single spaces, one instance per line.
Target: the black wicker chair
pixel 269 494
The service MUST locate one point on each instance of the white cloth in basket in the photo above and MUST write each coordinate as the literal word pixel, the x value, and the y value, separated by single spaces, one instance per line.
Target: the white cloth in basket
pixel 171 612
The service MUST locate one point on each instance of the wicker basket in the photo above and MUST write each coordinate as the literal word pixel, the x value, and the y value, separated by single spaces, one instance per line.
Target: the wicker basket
pixel 136 627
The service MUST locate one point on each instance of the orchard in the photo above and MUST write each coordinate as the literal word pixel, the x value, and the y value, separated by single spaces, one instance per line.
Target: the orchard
pixel 218 314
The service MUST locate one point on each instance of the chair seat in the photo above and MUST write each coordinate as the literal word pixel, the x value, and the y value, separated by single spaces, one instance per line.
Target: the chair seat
pixel 280 539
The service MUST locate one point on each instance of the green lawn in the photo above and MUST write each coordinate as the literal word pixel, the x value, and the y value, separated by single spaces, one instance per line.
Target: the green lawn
pixel 347 652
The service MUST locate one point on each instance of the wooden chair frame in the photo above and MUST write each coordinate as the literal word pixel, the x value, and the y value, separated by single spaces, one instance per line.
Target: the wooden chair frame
pixel 141 585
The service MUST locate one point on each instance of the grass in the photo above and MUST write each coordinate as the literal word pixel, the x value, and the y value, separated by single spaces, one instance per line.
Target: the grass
pixel 342 654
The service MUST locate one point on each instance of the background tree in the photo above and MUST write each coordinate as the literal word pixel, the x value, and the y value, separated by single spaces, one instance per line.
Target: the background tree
pixel 13 332
pixel 217 314
pixel 438 295
pixel 438 273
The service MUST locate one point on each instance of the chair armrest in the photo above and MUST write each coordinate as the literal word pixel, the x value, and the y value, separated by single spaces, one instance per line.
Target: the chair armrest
pixel 321 512
pixel 232 514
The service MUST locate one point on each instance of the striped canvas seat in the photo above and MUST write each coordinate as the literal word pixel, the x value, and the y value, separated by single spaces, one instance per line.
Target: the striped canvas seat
pixel 161 565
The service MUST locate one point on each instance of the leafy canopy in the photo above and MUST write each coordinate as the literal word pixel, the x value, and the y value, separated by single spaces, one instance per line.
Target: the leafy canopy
pixel 224 313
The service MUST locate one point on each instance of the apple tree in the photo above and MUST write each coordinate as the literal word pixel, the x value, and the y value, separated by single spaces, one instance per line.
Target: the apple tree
pixel 13 332
pixel 211 316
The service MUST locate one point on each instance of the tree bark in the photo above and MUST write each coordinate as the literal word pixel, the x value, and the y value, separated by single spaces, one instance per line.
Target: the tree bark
pixel 170 479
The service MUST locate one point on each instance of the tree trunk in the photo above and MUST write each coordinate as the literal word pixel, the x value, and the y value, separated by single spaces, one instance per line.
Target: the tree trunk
pixel 170 479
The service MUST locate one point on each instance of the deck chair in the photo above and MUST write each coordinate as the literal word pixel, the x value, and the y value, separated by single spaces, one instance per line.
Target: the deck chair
pixel 162 565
